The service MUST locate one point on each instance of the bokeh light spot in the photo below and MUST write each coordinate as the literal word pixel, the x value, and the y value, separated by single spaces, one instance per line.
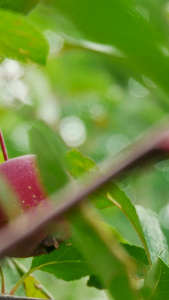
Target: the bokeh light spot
pixel 72 131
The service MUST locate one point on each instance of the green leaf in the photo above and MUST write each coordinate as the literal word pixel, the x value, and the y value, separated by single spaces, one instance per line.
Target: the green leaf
pixel 115 233
pixel 156 285
pixel 20 40
pixel 139 256
pixel 34 289
pixel 21 6
pixel 137 253
pixel 138 30
pixel 144 221
pixel 78 165
pixel 101 198
pixel 106 257
pixel 122 201
pixel 156 241
pixel 67 262
pixel 11 276
pixel 94 281
pixel 49 150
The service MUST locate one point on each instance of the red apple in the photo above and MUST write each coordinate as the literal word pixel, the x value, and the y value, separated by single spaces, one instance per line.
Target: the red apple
pixel 22 175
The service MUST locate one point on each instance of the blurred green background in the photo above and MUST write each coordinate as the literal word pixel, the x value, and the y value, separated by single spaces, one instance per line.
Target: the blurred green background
pixel 96 106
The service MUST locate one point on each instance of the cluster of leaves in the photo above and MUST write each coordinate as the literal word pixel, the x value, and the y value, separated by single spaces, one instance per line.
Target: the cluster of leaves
pixel 134 36
pixel 108 258
pixel 95 248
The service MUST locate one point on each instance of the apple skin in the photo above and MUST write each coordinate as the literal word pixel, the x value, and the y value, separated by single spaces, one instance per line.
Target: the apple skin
pixel 23 176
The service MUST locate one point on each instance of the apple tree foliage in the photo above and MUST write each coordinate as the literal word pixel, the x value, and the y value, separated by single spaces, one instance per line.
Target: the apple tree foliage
pixel 130 39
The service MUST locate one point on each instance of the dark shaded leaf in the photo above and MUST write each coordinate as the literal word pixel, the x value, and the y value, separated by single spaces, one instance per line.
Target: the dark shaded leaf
pixel 94 281
pixel 137 253
pixel 139 257
pixel 21 6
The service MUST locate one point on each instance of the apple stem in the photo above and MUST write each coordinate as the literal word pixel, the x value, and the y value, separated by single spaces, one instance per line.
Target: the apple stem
pixel 3 146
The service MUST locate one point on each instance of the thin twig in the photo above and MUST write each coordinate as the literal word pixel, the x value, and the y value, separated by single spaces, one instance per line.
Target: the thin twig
pixel 3 147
